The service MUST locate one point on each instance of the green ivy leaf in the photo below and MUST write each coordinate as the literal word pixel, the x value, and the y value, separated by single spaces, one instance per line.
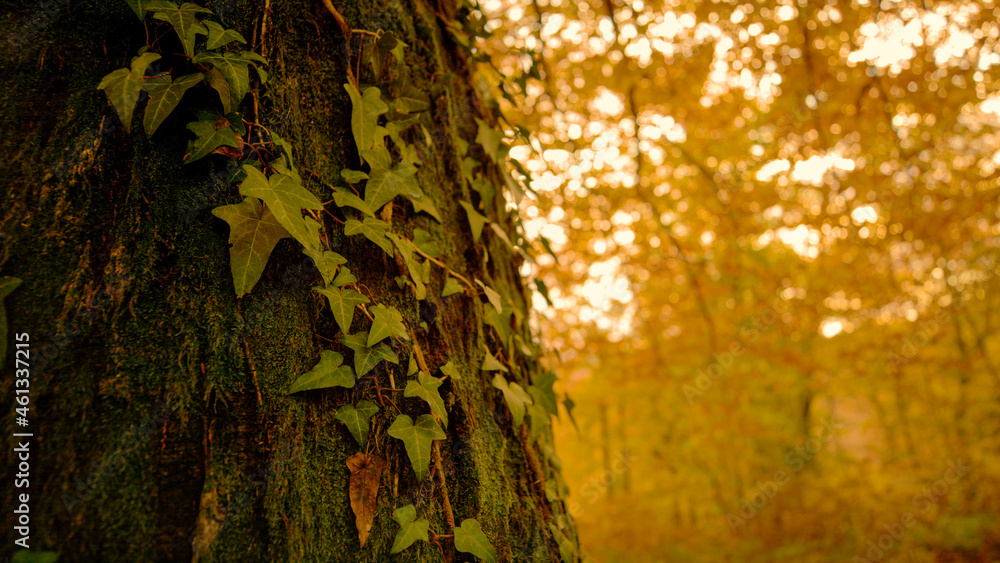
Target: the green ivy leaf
pixel 329 372
pixel 425 204
pixel 209 138
pixel 366 109
pixel 476 221
pixel 353 176
pixel 568 403
pixel 543 394
pixel 387 183
pixel 376 53
pixel 221 85
pixel 122 86
pixel 356 418
pixel 410 529
pixel 422 240
pixel 372 229
pixel 219 36
pixel 139 7
pixel 164 97
pixel 417 438
pixel 366 358
pixel 344 277
pixel 253 232
pixel 184 19
pixel 469 538
pixel 567 550
pixel 344 198
pixel 449 369
pixel 286 198
pixel 451 287
pixel 426 388
pixel 492 296
pixel 326 262
pixel 406 249
pixel 517 399
pixel 388 322
pixel 234 68
pixel 489 138
pixel 342 304
pixel 544 291
pixel 7 285
pixel 490 363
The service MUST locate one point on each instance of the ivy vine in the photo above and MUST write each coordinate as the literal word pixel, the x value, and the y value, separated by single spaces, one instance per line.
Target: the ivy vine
pixel 276 206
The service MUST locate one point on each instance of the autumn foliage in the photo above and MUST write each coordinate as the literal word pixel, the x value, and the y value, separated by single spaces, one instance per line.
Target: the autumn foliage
pixel 774 281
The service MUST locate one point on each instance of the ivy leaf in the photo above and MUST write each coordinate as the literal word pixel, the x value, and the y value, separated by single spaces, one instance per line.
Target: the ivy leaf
pixel 365 110
pixel 490 363
pixel 219 36
pixel 139 7
pixel 210 136
pixel 492 296
pixel 356 418
pixel 253 232
pixel 410 529
pixel 164 97
pixel 543 394
pixel 353 176
pixel 489 138
pixel 233 67
pixel 567 551
pixel 286 198
pixel 517 399
pixel 122 86
pixel 372 229
pixel 426 388
pixel 366 358
pixel 388 322
pixel 366 474
pixel 450 370
pixel 376 53
pixel 412 265
pixel 417 438
pixel 326 262
pixel 386 183
pixel 425 204
pixel 544 291
pixel 451 287
pixel 184 19
pixel 256 60
pixel 469 538
pixel 422 240
pixel 221 85
pixel 344 277
pixel 342 304
pixel 7 285
pixel 568 403
pixel 476 221
pixel 329 372
pixel 344 198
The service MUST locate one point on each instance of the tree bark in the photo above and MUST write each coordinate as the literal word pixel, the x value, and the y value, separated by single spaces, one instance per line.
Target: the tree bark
pixel 162 428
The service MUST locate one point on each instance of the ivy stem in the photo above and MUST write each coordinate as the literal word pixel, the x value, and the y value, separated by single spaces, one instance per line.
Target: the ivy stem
pixel 447 269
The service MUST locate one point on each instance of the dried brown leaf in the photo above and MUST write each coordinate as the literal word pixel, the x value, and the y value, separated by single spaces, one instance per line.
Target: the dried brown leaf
pixel 366 473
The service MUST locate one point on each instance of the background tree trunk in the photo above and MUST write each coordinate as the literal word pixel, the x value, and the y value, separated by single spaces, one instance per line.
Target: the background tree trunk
pixel 163 431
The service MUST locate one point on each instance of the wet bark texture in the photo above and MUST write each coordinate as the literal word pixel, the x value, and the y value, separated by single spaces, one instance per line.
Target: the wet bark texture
pixel 163 431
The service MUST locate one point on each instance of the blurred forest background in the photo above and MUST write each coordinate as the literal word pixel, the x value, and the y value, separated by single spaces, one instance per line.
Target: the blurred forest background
pixel 774 245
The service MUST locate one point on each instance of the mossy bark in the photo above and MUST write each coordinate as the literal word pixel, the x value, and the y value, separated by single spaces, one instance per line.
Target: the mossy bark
pixel 162 426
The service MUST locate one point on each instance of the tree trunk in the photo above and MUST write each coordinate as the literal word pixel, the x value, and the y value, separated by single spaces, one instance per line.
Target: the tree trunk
pixel 162 428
